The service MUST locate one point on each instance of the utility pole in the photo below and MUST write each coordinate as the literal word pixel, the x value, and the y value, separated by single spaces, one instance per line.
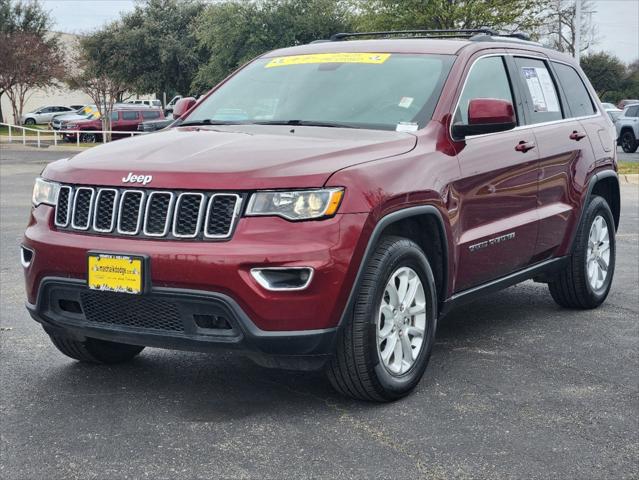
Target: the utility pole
pixel 577 29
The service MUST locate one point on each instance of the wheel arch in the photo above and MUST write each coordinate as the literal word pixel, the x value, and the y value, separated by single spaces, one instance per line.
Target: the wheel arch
pixel 626 128
pixel 409 222
pixel 606 185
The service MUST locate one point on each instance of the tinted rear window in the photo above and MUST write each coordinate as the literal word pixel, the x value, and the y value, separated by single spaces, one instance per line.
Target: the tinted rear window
pixel 579 101
pixel 127 115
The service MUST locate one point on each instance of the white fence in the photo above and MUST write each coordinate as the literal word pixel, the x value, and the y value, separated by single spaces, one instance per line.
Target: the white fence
pixel 22 132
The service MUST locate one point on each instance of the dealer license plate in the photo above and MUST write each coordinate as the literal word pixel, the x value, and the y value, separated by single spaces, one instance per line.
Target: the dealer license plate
pixel 116 273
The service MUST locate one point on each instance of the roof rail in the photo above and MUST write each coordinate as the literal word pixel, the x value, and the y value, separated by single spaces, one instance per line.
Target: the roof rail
pixel 452 33
pixel 472 34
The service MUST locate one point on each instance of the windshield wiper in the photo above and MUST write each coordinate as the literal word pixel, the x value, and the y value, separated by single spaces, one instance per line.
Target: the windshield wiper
pixel 208 121
pixel 305 123
pixel 290 123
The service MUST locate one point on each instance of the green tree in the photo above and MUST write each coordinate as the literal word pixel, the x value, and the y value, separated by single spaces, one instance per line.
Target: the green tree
pixel 232 33
pixel 506 15
pixel 606 72
pixel 158 50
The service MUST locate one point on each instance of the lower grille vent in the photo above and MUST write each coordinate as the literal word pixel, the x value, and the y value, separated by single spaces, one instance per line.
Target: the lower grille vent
pixel 130 311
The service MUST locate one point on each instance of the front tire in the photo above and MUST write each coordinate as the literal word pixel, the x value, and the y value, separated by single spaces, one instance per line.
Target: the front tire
pixel 383 350
pixel 92 350
pixel 586 280
pixel 89 137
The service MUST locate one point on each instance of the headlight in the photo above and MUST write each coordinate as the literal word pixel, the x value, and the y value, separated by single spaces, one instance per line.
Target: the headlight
pixel 45 192
pixel 296 205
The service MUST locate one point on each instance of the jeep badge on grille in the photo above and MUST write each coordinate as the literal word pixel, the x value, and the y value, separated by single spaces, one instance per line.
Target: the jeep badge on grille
pixel 143 179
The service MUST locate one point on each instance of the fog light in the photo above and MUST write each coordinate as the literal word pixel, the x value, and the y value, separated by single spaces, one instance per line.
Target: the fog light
pixel 283 278
pixel 26 256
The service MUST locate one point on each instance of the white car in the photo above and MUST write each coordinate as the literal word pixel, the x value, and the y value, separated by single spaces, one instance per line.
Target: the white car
pixel 627 126
pixel 43 114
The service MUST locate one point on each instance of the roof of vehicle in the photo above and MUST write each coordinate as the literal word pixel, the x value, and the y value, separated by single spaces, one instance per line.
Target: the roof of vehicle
pixel 441 46
pixel 140 108
pixel 628 105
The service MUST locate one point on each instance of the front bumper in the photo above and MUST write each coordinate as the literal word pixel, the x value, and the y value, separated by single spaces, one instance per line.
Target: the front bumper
pixel 333 248
pixel 175 319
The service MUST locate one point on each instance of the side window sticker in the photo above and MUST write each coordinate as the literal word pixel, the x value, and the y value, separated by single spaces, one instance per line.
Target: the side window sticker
pixel 541 89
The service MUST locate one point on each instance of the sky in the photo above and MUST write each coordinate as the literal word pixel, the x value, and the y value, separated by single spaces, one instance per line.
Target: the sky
pixel 617 21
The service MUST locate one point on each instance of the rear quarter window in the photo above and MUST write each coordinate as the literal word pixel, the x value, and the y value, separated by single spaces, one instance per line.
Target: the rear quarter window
pixel 576 93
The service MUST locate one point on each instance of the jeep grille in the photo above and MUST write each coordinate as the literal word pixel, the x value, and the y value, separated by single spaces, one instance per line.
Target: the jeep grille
pixel 147 213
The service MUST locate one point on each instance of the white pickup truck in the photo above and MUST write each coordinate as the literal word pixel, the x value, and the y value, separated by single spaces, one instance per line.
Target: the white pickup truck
pixel 628 128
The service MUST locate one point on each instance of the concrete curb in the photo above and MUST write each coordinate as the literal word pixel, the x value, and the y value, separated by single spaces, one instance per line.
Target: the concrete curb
pixel 629 178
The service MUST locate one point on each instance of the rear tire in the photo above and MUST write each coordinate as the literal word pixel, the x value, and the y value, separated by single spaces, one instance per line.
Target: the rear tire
pixel 29 121
pixel 368 364
pixel 629 143
pixel 581 284
pixel 93 350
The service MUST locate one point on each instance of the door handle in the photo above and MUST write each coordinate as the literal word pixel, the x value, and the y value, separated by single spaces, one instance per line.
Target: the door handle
pixel 524 146
pixel 575 135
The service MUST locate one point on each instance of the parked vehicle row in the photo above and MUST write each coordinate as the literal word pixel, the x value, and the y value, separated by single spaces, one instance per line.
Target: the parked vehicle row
pixel 50 113
pixel 123 119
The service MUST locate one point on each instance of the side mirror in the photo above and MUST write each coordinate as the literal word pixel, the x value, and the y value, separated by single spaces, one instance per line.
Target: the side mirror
pixel 182 106
pixel 487 115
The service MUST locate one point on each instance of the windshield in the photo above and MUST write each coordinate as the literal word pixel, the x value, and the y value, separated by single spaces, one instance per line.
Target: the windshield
pixel 361 90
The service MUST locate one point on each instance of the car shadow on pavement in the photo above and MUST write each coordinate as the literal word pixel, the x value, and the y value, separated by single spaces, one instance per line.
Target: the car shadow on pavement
pixel 221 387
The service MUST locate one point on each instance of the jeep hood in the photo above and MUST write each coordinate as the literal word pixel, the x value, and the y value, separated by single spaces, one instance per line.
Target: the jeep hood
pixel 235 157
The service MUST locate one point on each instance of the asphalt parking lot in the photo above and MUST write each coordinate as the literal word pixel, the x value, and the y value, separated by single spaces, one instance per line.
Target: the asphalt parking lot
pixel 516 388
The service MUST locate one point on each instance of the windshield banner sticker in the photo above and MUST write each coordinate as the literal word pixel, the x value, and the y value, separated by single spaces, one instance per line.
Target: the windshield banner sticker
pixel 541 88
pixel 371 58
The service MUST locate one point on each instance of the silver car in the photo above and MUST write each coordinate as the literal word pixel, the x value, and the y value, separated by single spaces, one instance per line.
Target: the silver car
pixel 43 114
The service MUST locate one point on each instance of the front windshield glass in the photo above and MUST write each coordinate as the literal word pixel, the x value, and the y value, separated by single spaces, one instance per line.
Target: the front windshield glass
pixel 362 90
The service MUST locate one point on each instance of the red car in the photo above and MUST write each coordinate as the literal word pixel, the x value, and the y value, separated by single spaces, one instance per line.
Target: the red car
pixel 327 204
pixel 122 120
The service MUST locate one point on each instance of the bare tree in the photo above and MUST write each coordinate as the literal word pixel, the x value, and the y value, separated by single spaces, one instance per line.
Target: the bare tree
pixel 28 62
pixel 560 27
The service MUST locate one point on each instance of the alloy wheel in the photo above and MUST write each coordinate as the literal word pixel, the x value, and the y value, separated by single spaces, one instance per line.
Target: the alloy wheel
pixel 401 321
pixel 598 253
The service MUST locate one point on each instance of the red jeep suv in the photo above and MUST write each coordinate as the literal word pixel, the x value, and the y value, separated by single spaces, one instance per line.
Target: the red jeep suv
pixel 326 204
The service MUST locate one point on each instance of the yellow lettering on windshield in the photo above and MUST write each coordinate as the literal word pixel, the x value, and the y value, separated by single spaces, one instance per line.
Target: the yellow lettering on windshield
pixel 371 58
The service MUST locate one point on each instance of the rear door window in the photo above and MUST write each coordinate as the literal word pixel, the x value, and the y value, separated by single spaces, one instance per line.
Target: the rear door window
pixel 487 79
pixel 579 101
pixel 128 115
pixel 539 90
